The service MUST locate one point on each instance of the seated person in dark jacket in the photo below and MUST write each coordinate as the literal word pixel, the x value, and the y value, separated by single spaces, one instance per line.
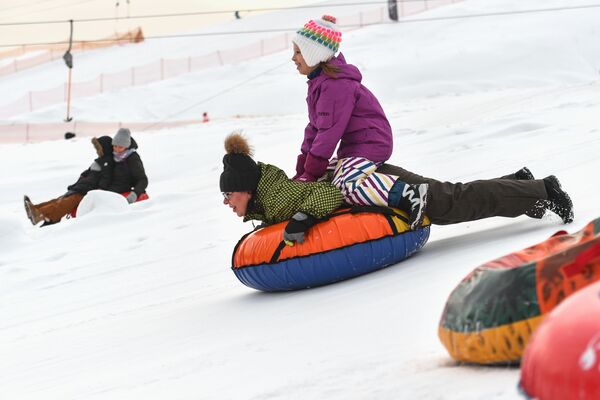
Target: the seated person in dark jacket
pixel 128 174
pixel 97 176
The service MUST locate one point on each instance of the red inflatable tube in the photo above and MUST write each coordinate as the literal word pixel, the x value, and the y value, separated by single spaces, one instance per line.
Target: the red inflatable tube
pixel 562 360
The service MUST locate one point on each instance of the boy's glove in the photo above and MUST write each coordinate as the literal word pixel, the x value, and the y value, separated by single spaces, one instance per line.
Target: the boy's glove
pixel 297 227
pixel 131 197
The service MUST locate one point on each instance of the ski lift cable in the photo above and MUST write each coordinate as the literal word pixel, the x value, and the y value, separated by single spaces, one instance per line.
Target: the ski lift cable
pixel 38 10
pixel 277 30
pixel 195 13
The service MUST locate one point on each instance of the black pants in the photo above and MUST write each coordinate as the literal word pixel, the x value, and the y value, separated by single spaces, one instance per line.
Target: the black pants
pixel 451 203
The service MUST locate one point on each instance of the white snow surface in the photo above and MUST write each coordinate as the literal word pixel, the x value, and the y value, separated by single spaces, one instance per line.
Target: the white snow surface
pixel 139 302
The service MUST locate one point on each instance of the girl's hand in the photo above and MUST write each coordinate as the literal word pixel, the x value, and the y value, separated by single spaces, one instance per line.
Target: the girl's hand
pixel 305 178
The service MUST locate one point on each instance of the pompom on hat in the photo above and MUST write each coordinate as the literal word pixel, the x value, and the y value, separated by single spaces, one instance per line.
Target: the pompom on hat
pixel 318 40
pixel 240 171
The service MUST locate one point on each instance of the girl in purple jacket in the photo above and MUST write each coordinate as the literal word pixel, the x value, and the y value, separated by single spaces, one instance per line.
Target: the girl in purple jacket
pixel 343 111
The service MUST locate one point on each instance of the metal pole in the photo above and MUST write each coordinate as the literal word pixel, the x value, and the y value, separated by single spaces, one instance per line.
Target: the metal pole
pixel 393 9
pixel 69 118
pixel 68 57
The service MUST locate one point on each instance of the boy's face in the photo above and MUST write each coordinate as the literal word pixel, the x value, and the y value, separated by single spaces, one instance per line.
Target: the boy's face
pixel 238 201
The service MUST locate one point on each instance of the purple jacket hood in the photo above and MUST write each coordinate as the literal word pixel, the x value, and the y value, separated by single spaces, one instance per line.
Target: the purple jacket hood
pixel 347 71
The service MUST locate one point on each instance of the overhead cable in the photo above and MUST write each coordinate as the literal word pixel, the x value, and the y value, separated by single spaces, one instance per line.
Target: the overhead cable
pixel 277 30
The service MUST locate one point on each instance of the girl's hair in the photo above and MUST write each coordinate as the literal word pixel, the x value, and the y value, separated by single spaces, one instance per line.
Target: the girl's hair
pixel 329 69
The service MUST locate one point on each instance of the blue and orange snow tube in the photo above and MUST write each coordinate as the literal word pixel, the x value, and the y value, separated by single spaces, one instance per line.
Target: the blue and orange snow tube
pixel 349 243
pixel 491 314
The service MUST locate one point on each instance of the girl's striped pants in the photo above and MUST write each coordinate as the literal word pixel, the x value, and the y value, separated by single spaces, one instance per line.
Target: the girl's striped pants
pixel 359 183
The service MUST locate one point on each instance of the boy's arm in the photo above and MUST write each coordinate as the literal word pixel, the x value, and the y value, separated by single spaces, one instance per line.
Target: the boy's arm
pixel 88 180
pixel 278 197
pixel 323 199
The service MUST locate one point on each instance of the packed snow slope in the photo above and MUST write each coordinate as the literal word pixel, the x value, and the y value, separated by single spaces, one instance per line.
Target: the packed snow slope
pixel 139 302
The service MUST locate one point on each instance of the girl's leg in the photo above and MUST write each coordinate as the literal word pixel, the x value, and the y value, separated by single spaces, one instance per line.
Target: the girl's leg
pixel 361 185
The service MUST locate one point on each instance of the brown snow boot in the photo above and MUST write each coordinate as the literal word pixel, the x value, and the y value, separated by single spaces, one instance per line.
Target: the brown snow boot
pixel 34 215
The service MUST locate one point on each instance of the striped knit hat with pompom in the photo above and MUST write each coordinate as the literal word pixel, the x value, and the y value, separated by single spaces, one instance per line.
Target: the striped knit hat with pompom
pixel 318 40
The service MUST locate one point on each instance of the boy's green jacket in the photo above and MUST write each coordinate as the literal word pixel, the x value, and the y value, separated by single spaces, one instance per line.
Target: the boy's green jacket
pixel 277 198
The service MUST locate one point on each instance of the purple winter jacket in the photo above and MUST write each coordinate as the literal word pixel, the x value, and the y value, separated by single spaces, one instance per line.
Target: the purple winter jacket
pixel 342 110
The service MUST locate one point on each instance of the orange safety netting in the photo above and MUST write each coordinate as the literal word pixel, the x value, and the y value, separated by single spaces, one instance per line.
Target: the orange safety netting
pixel 134 36
pixel 37 132
pixel 162 69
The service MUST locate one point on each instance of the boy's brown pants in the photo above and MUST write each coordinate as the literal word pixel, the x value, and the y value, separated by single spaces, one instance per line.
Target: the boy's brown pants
pixel 451 203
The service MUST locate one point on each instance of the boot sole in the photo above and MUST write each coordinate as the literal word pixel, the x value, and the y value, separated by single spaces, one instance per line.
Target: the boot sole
pixel 421 214
pixel 29 210
pixel 27 203
pixel 560 210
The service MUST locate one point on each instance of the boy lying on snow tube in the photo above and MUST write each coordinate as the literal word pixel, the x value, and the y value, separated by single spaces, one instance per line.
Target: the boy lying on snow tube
pixel 118 168
pixel 257 191
pixel 263 192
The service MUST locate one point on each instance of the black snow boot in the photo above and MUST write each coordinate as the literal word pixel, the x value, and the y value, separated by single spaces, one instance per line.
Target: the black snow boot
pixel 559 201
pixel 524 174
pixel 410 198
pixel 538 210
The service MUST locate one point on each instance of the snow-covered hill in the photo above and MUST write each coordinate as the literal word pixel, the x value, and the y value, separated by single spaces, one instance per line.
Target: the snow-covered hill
pixel 141 303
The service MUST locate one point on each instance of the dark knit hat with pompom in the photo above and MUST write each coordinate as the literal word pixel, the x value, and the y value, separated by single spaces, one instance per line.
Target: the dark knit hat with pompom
pixel 240 172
